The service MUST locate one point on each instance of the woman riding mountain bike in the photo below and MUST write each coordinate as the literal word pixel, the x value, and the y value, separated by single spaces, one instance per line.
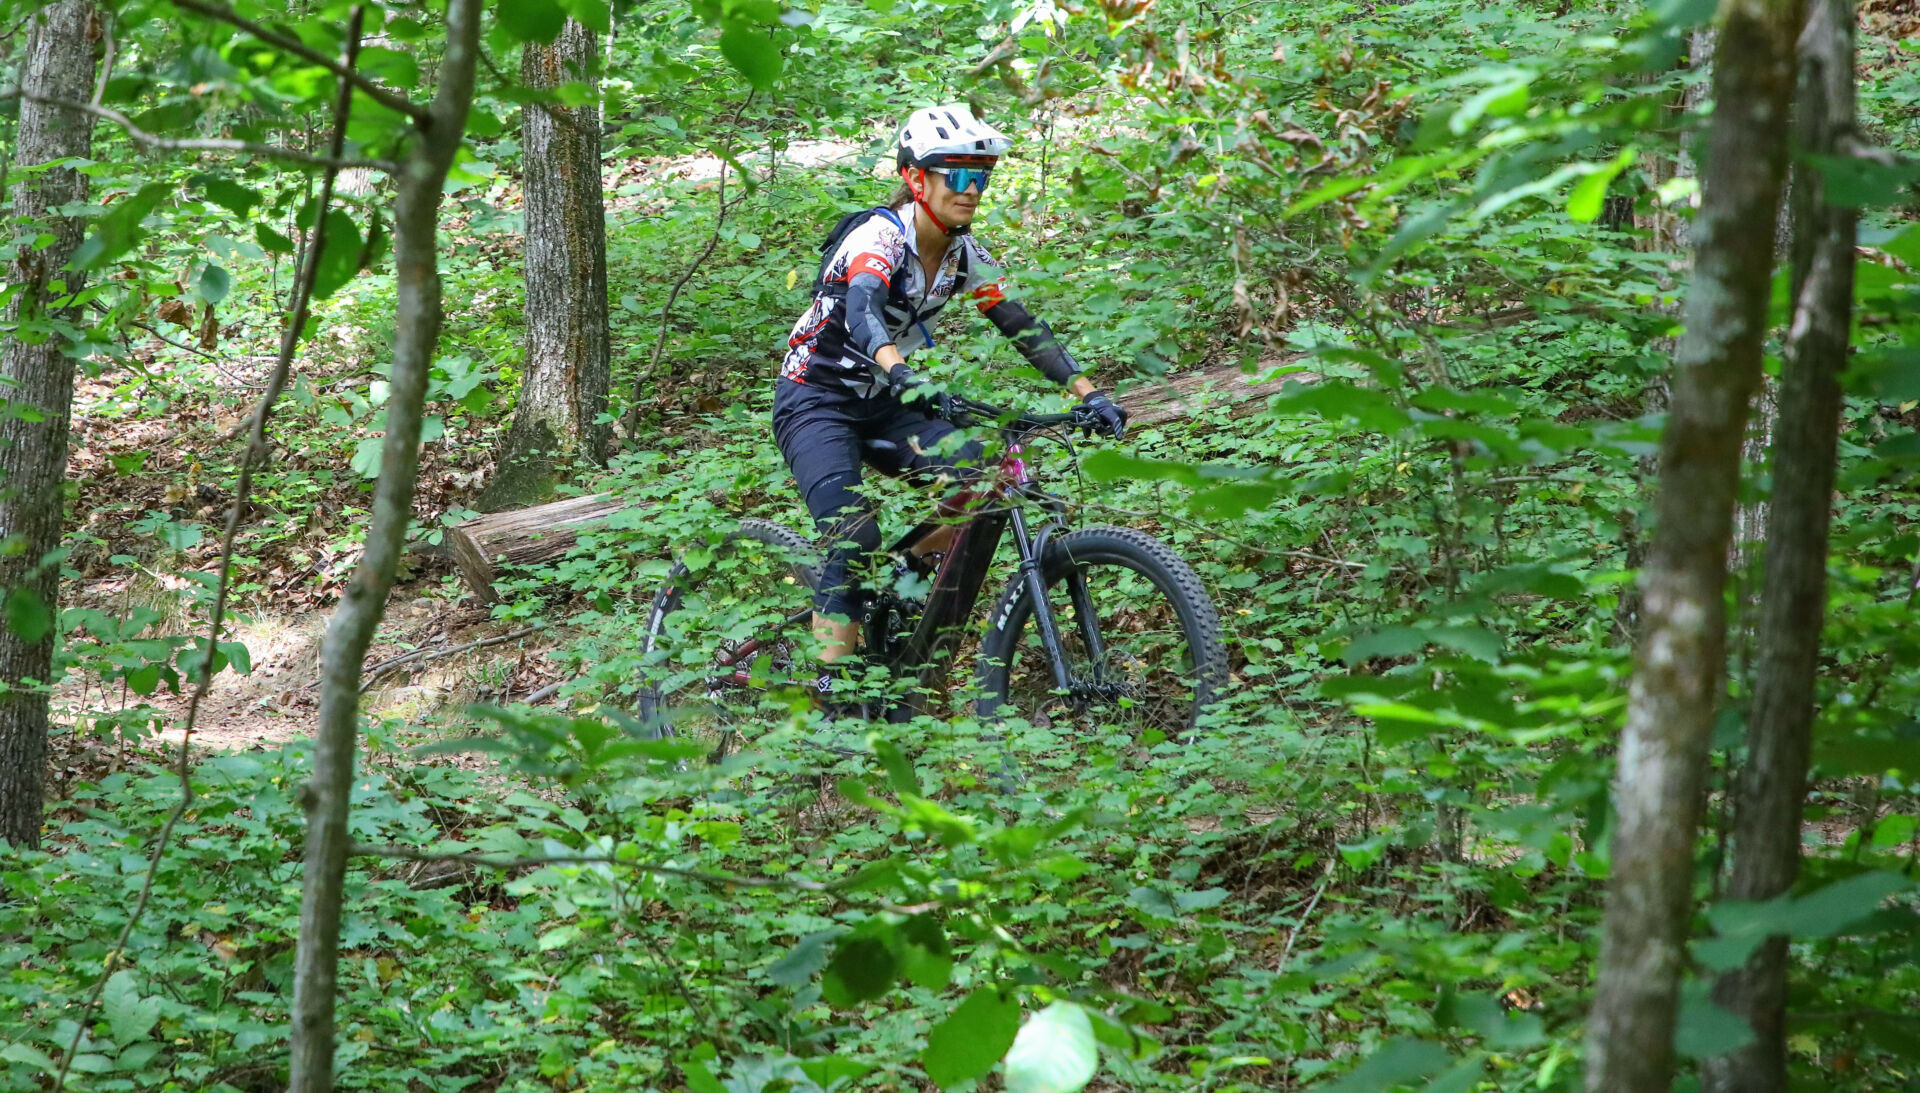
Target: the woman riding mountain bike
pixel 840 398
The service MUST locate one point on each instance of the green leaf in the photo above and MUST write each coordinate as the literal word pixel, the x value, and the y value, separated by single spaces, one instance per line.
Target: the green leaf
pixel 862 968
pixel 597 16
pixel 808 957
pixel 531 20
pixel 33 1057
pixel 1854 182
pixel 1153 902
pixel 228 194
pixel 700 1077
pixel 138 1056
pixel 1703 1029
pixel 27 615
pixel 1462 1077
pixel 898 767
pixel 1336 400
pixel 831 1069
pixel 1202 900
pixel 1055 1052
pixel 182 535
pixel 1398 1062
pixel 462 744
pixel 1501 1030
pixel 118 229
pixel 749 49
pixel 366 456
pixel 271 241
pixel 1828 912
pixel 1590 193
pixel 214 283
pixel 144 680
pixel 128 1015
pixel 1507 97
pixel 237 655
pixel 972 1038
pixel 925 957
pixel 339 257
pixel 392 67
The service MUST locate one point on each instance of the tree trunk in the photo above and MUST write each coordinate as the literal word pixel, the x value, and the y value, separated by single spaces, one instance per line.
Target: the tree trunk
pixel 567 372
pixel 418 315
pixel 36 374
pixel 1766 844
pixel 1680 655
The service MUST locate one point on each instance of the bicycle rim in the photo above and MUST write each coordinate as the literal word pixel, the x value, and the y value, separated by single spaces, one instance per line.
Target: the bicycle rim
pixel 1161 658
pixel 726 635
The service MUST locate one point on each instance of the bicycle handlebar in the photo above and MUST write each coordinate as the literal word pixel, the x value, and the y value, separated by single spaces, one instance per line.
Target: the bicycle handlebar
pixel 964 408
pixel 1022 421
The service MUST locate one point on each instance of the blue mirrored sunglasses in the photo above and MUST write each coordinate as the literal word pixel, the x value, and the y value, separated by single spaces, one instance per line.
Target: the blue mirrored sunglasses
pixel 961 179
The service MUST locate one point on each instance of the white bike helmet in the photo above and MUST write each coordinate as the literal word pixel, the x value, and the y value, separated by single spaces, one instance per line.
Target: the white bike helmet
pixel 949 136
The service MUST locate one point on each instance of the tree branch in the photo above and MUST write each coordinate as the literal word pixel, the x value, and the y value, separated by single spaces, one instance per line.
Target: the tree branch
pixel 256 451
pixel 399 104
pixel 203 144
pixel 666 309
pixel 418 314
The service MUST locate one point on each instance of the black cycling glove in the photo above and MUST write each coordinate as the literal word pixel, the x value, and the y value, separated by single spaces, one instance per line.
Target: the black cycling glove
pixel 1111 415
pixel 900 380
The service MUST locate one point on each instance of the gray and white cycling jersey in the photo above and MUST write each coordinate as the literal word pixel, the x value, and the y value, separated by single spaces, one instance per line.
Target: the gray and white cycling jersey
pixel 880 247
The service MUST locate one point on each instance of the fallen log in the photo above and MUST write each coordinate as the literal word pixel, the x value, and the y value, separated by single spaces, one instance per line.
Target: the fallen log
pixel 523 537
pixel 1172 399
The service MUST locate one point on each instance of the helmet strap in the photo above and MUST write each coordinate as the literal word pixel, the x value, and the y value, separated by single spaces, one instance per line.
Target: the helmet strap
pixel 919 197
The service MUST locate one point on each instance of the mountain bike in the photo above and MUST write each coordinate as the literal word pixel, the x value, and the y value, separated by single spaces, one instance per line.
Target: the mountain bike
pixel 1099 622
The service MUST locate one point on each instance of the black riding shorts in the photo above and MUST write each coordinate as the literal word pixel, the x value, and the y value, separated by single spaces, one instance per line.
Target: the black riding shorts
pixel 824 433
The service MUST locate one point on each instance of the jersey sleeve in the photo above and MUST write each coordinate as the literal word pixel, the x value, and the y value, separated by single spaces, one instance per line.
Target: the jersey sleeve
pixel 875 247
pixel 986 284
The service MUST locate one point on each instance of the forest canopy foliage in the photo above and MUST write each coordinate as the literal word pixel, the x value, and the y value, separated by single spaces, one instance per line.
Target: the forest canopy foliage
pixel 1459 231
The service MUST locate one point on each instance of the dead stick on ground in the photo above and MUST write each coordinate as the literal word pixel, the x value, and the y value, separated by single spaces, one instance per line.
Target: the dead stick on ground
pixel 256 451
pixel 386 666
pixel 407 853
pixel 1325 879
pixel 716 880
pixel 548 691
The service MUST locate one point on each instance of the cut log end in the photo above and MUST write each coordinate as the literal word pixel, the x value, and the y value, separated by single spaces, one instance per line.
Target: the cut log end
pixel 485 544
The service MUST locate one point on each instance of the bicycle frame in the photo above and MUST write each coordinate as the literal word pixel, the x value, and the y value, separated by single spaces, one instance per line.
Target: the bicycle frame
pixel 995 506
pixel 962 573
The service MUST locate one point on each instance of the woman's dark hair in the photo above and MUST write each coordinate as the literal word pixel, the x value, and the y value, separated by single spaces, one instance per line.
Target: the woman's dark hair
pixel 902 196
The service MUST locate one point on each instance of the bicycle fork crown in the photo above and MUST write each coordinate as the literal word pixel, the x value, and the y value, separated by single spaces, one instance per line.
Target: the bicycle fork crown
pixel 1014 466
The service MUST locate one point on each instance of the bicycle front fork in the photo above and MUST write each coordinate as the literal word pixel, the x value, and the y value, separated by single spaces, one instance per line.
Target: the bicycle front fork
pixel 1033 572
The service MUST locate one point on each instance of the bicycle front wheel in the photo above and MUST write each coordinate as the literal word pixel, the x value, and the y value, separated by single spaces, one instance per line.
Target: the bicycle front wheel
pixel 731 621
pixel 1138 634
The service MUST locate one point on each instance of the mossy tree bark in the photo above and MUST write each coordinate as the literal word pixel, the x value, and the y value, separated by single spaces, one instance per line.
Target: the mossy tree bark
pixel 1679 659
pixel 36 380
pixel 1766 842
pixel 567 370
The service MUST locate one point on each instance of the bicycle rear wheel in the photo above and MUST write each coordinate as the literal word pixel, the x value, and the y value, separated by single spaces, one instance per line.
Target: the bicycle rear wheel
pixel 1140 636
pixel 731 621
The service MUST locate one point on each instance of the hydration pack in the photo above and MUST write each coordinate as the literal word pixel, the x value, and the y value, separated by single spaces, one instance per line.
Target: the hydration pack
pixel 846 224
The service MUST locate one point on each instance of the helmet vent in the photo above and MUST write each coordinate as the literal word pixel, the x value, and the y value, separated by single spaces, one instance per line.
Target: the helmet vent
pixel 942 130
